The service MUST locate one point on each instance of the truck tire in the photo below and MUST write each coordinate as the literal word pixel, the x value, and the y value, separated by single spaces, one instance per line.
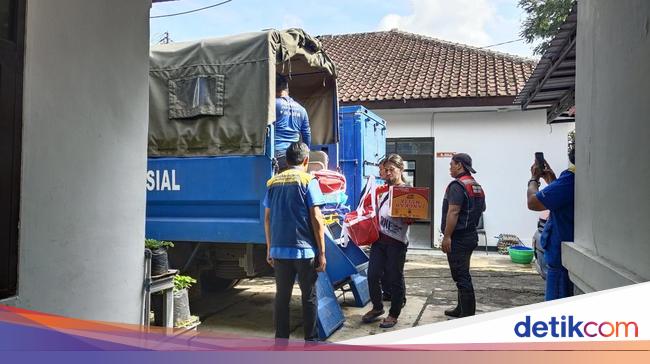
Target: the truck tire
pixel 210 283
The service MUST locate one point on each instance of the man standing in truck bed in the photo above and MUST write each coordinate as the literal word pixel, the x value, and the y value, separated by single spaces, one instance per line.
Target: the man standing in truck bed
pixel 291 121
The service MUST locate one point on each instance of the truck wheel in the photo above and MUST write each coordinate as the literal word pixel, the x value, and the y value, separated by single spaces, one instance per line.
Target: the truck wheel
pixel 213 284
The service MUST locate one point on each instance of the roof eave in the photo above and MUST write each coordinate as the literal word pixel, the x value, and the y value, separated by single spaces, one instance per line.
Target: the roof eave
pixel 553 80
pixel 434 103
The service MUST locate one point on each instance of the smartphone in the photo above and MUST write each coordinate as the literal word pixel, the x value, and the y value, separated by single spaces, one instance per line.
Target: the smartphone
pixel 539 160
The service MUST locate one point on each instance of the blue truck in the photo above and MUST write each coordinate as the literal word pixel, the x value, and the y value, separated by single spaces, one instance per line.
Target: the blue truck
pixel 211 152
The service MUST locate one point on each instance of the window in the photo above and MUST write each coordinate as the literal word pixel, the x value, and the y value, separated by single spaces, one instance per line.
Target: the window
pixel 410 146
pixel 409 172
pixel 195 96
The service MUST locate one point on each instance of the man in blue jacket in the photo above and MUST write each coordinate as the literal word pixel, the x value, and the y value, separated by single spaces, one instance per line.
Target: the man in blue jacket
pixel 295 239
pixel 291 121
pixel 558 197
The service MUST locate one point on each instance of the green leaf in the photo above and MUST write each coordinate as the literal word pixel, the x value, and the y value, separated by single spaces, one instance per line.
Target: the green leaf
pixel 183 282
pixel 154 244
pixel 543 20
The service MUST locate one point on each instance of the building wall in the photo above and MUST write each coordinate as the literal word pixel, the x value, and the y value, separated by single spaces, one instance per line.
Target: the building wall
pixel 84 158
pixel 502 146
pixel 612 131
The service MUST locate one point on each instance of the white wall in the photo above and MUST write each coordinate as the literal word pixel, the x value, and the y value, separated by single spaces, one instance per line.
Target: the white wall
pixel 612 139
pixel 502 146
pixel 84 157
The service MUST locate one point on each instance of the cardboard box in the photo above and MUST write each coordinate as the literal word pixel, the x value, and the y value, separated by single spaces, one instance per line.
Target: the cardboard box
pixel 411 202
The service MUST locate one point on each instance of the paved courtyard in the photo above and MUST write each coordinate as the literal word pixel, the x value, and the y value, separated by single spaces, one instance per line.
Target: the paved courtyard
pixel 247 310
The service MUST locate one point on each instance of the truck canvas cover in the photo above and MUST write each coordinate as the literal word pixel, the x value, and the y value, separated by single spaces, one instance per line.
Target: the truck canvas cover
pixel 217 96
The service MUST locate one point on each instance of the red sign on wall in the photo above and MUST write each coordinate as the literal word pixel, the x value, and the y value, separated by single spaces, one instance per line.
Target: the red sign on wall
pixel 445 154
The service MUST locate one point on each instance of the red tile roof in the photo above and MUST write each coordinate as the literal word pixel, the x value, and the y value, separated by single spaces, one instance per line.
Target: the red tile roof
pixel 400 66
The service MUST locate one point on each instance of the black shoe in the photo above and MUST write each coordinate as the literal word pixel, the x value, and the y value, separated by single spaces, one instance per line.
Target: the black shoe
pixel 404 302
pixel 454 312
pixel 467 303
pixel 372 316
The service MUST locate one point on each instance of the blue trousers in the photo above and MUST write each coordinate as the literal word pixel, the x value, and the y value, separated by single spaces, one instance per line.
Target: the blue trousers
pixel 558 284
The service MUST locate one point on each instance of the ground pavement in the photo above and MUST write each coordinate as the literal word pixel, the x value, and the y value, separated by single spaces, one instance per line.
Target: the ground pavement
pixel 247 310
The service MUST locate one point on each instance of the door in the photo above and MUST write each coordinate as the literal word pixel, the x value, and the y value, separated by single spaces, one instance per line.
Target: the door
pixel 12 19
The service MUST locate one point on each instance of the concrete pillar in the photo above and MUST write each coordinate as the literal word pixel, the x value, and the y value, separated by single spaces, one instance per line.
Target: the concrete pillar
pixel 612 133
pixel 84 158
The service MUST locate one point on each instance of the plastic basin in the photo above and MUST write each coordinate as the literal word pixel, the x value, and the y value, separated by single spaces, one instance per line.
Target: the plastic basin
pixel 521 254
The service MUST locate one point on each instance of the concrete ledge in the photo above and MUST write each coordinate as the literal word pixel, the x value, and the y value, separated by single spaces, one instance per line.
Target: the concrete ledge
pixel 11 301
pixel 591 272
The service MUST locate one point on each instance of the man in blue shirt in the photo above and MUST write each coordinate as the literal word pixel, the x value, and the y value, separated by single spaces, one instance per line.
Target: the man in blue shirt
pixel 291 121
pixel 558 198
pixel 295 241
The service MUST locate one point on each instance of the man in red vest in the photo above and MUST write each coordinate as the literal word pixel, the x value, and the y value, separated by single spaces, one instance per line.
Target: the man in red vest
pixel 462 207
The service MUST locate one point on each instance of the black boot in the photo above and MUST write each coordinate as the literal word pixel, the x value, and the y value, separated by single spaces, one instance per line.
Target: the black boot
pixel 454 312
pixel 467 303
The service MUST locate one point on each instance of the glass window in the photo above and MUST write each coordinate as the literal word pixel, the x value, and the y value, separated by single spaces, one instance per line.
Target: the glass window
pixel 409 165
pixel 409 146
pixel 409 178
pixel 391 148
pixel 195 96
pixel 414 147
pixel 409 172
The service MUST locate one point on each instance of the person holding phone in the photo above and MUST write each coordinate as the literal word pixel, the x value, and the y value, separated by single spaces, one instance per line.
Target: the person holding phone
pixel 295 239
pixel 557 197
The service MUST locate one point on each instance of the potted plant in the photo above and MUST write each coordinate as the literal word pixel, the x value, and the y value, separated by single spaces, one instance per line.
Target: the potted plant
pixel 182 317
pixel 159 260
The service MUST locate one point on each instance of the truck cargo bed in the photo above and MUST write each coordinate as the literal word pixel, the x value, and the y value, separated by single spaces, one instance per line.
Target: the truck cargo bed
pixel 207 199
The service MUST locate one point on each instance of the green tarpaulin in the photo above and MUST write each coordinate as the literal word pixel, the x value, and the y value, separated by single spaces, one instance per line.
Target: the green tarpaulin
pixel 217 96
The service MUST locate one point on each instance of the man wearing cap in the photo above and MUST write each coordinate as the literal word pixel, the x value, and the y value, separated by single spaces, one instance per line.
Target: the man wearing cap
pixel 462 207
